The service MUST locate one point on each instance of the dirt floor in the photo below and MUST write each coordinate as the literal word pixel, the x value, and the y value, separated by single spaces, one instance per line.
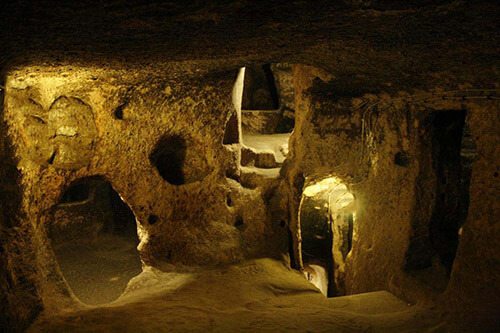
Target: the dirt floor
pixel 99 272
pixel 256 296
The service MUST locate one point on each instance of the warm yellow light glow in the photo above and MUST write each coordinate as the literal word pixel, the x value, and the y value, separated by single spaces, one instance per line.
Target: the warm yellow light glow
pixel 237 94
pixel 333 189
pixel 323 185
pixel 343 200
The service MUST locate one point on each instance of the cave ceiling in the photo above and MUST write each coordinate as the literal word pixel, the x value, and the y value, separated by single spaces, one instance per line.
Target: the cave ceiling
pixel 383 45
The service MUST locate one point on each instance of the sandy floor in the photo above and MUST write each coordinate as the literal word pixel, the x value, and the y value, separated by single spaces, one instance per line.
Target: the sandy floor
pixel 256 296
pixel 271 143
pixel 99 272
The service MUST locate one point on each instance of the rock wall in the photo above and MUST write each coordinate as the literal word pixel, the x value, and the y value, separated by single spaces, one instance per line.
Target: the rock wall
pixel 472 294
pixel 159 140
pixel 337 137
pixel 19 299
pixel 68 122
pixel 374 144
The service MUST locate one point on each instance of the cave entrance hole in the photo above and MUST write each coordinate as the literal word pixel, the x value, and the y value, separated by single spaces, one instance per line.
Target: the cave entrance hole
pixel 260 91
pixel 94 237
pixel 452 187
pixel 268 99
pixel 326 222
pixel 168 157
pixel 266 113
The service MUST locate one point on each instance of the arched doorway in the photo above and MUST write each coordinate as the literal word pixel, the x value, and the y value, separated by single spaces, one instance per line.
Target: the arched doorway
pixel 94 237
pixel 326 220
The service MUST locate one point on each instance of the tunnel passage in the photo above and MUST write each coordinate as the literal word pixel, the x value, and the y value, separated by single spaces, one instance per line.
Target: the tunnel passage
pixel 326 220
pixel 447 153
pixel 94 237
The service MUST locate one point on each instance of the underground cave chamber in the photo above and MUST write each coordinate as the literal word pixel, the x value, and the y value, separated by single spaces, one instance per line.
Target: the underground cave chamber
pixel 249 191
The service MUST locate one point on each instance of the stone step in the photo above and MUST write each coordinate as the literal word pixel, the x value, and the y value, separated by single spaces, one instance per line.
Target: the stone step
pixel 259 159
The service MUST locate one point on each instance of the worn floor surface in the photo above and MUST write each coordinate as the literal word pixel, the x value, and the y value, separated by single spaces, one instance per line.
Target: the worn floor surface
pixel 256 296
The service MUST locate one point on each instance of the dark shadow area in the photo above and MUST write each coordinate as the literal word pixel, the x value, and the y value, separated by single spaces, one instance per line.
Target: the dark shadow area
pixel 402 159
pixel 315 230
pixel 20 302
pixel 442 193
pixel 168 157
pixel 453 180
pixel 76 193
pixel 118 113
pixel 347 233
pixel 259 89
pixel 317 239
pixel 95 241
pixel 231 132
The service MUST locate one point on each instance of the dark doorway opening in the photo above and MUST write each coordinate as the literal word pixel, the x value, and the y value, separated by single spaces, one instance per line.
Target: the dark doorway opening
pixel 76 193
pixel 259 90
pixel 326 220
pixel 447 151
pixel 317 243
pixel 95 241
pixel 452 186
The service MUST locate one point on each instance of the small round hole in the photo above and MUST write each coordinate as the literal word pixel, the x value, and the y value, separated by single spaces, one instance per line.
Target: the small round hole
pixel 152 219
pixel 401 158
pixel 282 223
pixel 119 111
pixel 229 200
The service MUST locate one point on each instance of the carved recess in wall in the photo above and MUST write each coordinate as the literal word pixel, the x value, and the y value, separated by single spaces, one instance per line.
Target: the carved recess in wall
pixel 180 160
pixel 62 136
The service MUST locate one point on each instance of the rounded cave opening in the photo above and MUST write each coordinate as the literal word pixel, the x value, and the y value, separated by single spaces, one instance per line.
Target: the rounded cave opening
pixel 168 157
pixel 93 234
pixel 178 162
pixel 326 222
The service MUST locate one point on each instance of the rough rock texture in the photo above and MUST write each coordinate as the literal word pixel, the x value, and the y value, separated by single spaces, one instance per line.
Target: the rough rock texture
pixel 357 140
pixel 19 299
pixel 473 289
pixel 93 88
pixel 193 107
